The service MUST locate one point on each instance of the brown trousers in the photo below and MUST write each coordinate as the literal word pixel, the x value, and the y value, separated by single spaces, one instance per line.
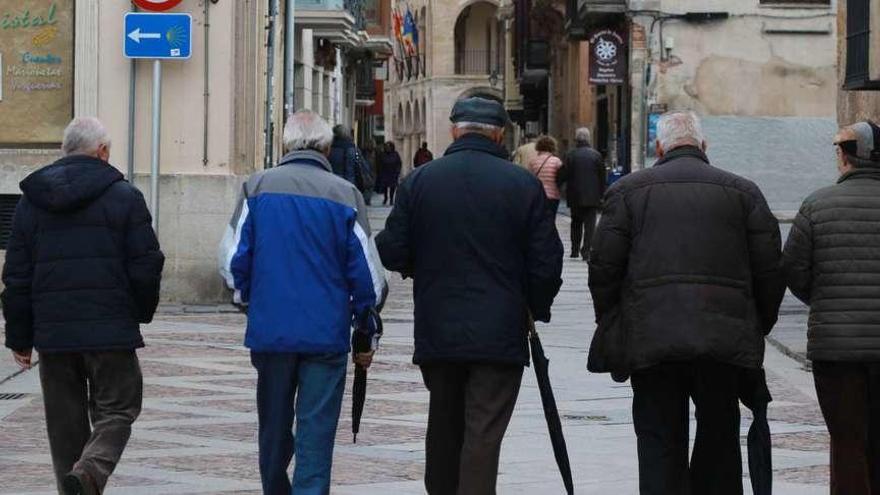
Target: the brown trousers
pixel 471 406
pixel 849 395
pixel 91 401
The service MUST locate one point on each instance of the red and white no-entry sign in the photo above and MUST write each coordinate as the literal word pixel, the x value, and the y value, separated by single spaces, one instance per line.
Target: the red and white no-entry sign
pixel 157 5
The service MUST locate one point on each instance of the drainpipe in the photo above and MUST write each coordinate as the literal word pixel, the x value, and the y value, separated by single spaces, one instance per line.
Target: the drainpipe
pixel 289 59
pixel 207 92
pixel 269 129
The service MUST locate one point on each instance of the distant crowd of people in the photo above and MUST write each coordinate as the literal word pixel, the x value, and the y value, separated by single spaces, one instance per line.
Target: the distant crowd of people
pixel 686 274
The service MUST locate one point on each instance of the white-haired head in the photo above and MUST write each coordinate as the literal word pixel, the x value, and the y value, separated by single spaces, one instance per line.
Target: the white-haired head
pixel 86 136
pixel 583 137
pixel 306 130
pixel 677 129
pixel 492 132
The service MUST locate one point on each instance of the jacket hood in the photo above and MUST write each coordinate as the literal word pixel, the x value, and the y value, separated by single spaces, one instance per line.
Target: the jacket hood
pixel 477 142
pixel 70 183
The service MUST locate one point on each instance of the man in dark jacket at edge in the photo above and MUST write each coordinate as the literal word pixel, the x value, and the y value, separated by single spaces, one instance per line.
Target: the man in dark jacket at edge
pixel 687 258
pixel 832 263
pixel 583 172
pixel 82 271
pixel 476 236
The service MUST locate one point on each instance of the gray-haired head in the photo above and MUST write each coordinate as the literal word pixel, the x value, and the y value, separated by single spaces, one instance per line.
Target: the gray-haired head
pixel 306 130
pixel 583 137
pixel 677 129
pixel 85 136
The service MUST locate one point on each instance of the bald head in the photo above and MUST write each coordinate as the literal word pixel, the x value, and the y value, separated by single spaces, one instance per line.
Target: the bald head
pixel 86 136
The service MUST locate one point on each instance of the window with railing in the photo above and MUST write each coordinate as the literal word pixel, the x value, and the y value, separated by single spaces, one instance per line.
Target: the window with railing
pixel 475 62
pixel 795 3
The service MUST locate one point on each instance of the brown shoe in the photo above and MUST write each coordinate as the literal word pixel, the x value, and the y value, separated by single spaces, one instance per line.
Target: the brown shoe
pixel 79 483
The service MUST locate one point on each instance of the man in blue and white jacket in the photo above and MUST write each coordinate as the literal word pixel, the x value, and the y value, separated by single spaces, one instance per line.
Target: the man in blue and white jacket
pixel 299 255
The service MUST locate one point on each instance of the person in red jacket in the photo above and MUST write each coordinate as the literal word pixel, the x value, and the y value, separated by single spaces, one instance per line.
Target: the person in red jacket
pixel 422 156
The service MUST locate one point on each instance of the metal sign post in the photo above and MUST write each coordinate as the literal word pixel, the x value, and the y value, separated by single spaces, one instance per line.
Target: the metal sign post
pixel 156 148
pixel 157 37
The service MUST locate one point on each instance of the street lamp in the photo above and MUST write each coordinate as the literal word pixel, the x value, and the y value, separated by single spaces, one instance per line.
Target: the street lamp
pixel 493 77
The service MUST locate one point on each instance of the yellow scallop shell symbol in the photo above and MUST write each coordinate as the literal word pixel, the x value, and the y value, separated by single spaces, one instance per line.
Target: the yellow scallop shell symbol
pixel 45 36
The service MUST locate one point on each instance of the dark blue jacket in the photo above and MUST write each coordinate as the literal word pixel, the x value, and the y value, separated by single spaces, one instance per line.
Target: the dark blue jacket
pixel 83 265
pixel 344 158
pixel 474 232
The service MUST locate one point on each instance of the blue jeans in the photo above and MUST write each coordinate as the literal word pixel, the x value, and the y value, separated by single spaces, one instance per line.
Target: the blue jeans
pixel 310 387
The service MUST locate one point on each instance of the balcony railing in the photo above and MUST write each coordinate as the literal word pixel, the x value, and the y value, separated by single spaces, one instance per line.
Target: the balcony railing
pixel 356 8
pixel 476 62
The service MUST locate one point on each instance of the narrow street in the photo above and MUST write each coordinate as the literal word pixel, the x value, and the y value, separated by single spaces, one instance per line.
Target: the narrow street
pixel 197 432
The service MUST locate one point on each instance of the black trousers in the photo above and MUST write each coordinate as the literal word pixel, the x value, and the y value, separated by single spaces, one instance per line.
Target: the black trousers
pixel 91 401
pixel 849 395
pixel 471 406
pixel 661 417
pixel 583 225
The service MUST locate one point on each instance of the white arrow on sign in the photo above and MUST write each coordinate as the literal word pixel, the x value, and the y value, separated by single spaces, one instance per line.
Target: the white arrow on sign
pixel 137 36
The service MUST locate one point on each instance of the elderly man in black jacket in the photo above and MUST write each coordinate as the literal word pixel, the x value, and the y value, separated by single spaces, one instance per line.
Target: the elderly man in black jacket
pixel 477 237
pixel 832 263
pixel 584 174
pixel 686 258
pixel 83 268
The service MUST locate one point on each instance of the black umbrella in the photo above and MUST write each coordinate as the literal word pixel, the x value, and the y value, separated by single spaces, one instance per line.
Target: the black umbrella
pixel 362 341
pixel 753 392
pixel 551 413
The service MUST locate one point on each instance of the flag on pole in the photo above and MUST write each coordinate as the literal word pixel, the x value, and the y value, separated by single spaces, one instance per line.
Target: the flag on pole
pixel 410 33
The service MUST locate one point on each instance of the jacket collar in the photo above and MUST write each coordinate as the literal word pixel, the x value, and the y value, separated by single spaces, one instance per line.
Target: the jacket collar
pixel 866 173
pixel 682 152
pixel 306 157
pixel 477 142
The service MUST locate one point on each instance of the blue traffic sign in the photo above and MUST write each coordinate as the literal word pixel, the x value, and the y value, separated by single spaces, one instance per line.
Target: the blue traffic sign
pixel 158 36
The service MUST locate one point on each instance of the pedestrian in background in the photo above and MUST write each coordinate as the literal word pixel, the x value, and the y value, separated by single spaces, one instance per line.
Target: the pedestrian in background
pixel 299 256
pixel 687 260
pixel 524 155
pixel 344 155
pixel 367 153
pixel 422 156
pixel 390 166
pixel 583 173
pixel 82 271
pixel 476 235
pixel 832 264
pixel 546 165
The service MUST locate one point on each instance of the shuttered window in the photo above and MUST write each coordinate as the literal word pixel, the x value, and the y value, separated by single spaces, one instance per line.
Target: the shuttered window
pixel 795 2
pixel 7 211
pixel 858 46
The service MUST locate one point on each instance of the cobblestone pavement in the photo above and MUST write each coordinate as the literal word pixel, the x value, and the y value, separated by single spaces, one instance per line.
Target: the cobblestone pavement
pixel 197 433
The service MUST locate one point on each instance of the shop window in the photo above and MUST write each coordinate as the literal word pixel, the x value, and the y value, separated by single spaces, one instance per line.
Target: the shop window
pixel 36 71
pixel 7 211
pixel 859 46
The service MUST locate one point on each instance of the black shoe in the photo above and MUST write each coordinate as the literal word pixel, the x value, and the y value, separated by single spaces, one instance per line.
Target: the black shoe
pixel 72 485
pixel 574 254
pixel 78 484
